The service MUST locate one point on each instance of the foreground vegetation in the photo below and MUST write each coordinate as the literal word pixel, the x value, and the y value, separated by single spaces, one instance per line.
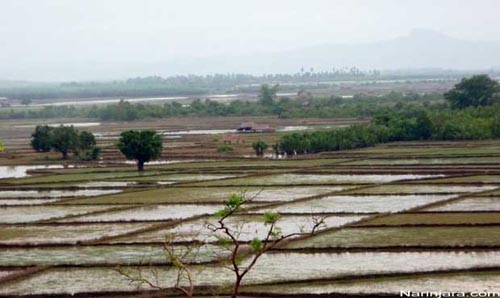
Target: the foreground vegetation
pixel 474 115
pixel 390 221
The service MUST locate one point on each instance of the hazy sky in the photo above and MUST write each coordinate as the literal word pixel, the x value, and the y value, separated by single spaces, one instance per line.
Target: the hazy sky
pixel 39 34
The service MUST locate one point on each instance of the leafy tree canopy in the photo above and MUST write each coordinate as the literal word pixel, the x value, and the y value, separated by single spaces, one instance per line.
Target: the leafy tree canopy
pixel 64 139
pixel 142 146
pixel 478 90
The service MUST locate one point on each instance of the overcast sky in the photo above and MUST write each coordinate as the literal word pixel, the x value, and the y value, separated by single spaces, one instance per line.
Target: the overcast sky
pixel 36 34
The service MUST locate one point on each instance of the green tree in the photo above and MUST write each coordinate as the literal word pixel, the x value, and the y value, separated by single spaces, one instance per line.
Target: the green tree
pixel 2 147
pixel 87 146
pixel 142 146
pixel 423 129
pixel 259 147
pixel 86 140
pixel 41 138
pixel 65 139
pixel 267 94
pixel 478 90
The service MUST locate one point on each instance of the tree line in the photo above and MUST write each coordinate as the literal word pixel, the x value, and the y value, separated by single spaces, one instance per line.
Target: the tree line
pixel 268 104
pixel 180 85
pixel 473 113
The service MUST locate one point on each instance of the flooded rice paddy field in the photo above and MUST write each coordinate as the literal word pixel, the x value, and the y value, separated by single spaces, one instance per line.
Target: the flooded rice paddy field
pixel 415 216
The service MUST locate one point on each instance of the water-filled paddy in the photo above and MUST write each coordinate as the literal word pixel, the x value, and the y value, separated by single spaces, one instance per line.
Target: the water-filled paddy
pixel 106 184
pixel 415 189
pixel 470 204
pixel 33 214
pixel 247 228
pixel 203 195
pixel 181 177
pixel 465 218
pixel 469 179
pixel 50 234
pixel 26 202
pixel 359 204
pixel 479 282
pixel 102 254
pixel 426 161
pixel 271 268
pixel 30 194
pixel 150 213
pixel 406 236
pixel 80 177
pixel 287 179
pixel 22 171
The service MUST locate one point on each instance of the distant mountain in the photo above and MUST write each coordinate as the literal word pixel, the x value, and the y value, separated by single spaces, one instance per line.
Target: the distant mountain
pixel 419 49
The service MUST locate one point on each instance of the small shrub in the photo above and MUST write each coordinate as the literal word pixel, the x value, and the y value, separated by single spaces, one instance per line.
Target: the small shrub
pixel 225 148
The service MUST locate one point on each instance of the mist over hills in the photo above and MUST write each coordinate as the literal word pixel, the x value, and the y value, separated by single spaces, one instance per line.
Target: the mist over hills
pixel 420 49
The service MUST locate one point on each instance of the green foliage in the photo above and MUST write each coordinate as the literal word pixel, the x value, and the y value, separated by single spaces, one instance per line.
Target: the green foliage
pixel 408 124
pixel 271 218
pixel 91 154
pixel 318 107
pixel 256 244
pixel 142 146
pixel 233 204
pixel 472 92
pixel 2 147
pixel 225 148
pixel 259 147
pixel 223 241
pixel 86 140
pixel 41 138
pixel 64 139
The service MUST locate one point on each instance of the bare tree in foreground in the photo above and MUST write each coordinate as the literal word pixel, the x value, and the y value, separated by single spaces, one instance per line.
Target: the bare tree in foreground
pixel 258 247
pixel 228 238
pixel 178 258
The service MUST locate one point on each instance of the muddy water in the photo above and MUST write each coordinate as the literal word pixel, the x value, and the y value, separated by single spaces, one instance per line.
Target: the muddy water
pixel 21 171
pixel 117 254
pixel 458 283
pixel 27 202
pixel 26 194
pixel 32 214
pixel 64 234
pixel 107 184
pixel 270 268
pixel 359 204
pixel 472 204
pixel 248 227
pixel 150 213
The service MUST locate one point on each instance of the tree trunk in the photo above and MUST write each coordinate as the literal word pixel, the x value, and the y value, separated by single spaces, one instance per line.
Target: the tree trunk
pixel 140 166
pixel 236 287
pixel 65 154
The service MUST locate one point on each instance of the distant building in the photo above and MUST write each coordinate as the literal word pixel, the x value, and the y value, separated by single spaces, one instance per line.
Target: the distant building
pixel 252 127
